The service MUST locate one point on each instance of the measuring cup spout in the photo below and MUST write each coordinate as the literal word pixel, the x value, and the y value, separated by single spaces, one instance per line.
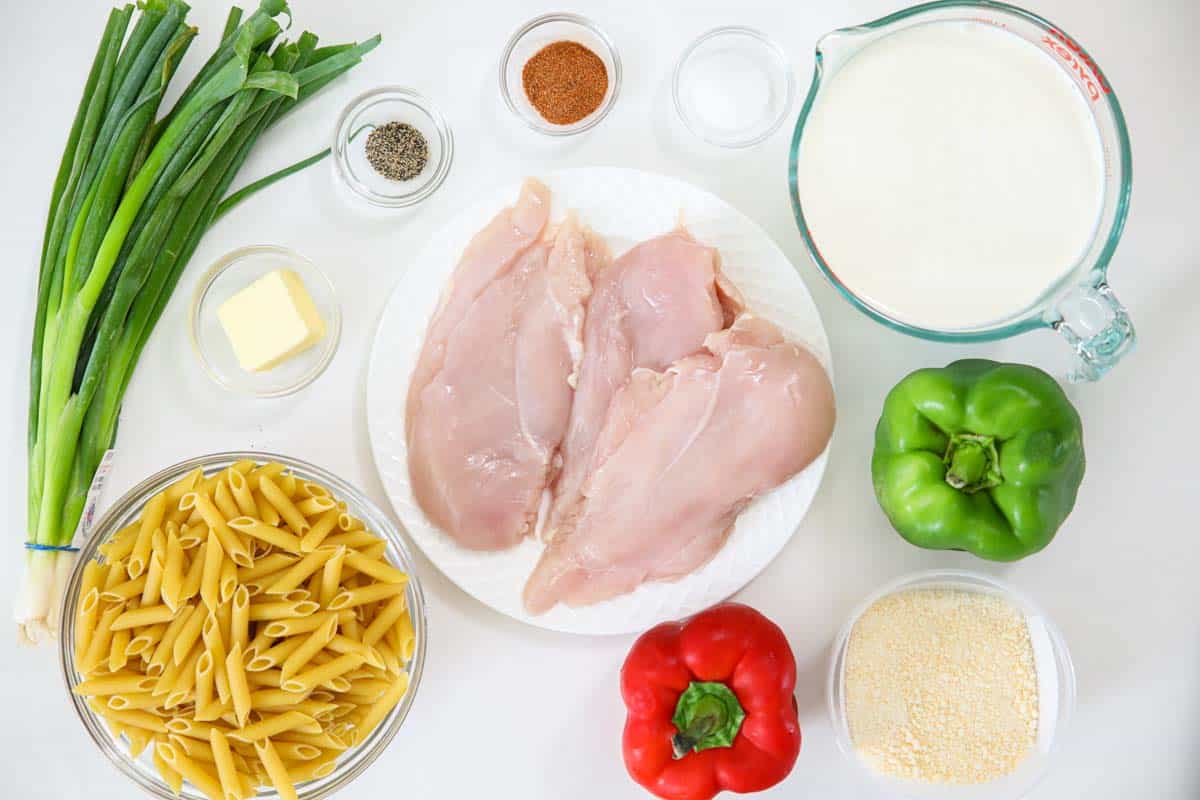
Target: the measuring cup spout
pixel 837 47
pixel 1097 326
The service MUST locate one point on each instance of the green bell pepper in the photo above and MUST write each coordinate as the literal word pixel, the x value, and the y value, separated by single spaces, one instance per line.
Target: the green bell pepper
pixel 978 456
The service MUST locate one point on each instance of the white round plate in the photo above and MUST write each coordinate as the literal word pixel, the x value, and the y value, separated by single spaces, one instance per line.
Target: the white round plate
pixel 625 206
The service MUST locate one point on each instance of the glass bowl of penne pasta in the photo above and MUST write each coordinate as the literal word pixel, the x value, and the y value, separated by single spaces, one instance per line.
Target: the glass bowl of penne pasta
pixel 243 624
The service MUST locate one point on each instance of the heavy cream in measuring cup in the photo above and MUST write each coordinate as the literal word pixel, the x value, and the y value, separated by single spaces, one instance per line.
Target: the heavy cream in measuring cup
pixel 950 173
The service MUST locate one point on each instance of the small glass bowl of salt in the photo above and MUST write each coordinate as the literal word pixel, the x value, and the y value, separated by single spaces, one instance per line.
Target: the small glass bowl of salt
pixel 733 87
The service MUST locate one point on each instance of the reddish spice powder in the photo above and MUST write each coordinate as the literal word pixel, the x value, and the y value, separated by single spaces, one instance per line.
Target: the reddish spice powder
pixel 565 82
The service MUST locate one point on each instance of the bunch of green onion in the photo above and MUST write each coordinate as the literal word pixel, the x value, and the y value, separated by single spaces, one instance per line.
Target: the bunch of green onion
pixel 134 193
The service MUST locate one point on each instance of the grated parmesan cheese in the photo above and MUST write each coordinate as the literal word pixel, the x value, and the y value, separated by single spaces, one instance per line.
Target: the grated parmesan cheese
pixel 941 686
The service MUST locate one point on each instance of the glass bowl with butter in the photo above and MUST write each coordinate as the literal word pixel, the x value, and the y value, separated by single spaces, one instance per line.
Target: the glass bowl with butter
pixel 265 321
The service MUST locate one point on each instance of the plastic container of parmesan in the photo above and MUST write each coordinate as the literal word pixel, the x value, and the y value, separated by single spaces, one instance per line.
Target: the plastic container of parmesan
pixel 1055 691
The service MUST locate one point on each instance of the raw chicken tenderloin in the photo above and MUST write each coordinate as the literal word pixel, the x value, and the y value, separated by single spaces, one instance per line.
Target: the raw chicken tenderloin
pixel 681 453
pixel 488 424
pixel 487 256
pixel 653 306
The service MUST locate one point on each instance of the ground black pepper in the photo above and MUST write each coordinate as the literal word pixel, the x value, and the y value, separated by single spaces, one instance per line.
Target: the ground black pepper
pixel 397 151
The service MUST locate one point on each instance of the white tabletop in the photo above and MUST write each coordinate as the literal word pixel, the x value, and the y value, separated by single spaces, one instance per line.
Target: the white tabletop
pixel 509 710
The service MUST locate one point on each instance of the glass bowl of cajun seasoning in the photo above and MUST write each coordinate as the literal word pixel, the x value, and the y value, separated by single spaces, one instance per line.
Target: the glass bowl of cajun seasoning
pixel 392 147
pixel 560 74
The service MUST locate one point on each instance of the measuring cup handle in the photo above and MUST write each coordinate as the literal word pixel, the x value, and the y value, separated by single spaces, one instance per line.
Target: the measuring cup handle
pixel 1097 326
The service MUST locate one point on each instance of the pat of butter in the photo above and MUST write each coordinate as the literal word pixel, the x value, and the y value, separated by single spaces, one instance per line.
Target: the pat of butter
pixel 271 320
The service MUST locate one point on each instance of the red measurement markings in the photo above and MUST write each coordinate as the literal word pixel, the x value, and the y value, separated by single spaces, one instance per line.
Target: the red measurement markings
pixel 1079 61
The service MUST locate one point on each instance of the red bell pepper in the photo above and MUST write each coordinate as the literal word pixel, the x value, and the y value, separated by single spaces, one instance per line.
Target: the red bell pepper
pixel 710 705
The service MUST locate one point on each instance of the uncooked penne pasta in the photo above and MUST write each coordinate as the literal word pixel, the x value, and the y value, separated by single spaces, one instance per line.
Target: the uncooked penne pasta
pixel 210 580
pixel 172 572
pixel 290 627
pixel 271 470
pixel 123 591
pixel 240 618
pixel 309 647
pixel 200 776
pixel 230 543
pixel 239 487
pixel 223 499
pixel 168 773
pixel 300 571
pixel 377 569
pixel 146 638
pixel 227 772
pixel 324 525
pixel 188 634
pixel 205 681
pixel 239 689
pixel 264 532
pixel 152 517
pixel 276 770
pixel 175 492
pixel 298 645
pixel 267 565
pixel 85 618
pixel 282 503
pixel 227 582
pixel 116 683
pixel 275 655
pixel 352 539
pixel 195 572
pixel 321 673
pixel 360 595
pixel 272 724
pixel 314 506
pixel 152 588
pixel 100 642
pixel 271 610
pixel 380 708
pixel 120 545
pixel 344 644
pixel 145 615
pixel 266 511
pixel 386 618
pixel 162 653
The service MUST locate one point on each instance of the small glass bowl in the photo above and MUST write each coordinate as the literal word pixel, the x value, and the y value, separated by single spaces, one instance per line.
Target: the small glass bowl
pixel 755 72
pixel 377 107
pixel 229 275
pixel 532 37
pixel 352 762
pixel 1056 690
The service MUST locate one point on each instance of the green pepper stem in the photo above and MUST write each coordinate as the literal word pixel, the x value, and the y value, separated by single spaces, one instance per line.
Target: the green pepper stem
pixel 707 714
pixel 972 462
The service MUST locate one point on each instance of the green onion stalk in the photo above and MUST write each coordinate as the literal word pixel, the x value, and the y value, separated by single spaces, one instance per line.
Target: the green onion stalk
pixel 135 192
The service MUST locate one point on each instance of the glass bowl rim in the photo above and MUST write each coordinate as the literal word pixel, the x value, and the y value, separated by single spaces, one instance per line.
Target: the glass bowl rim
pixel 782 62
pixel 1035 315
pixel 593 119
pixel 341 138
pixel 363 754
pixel 333 326
pixel 1067 690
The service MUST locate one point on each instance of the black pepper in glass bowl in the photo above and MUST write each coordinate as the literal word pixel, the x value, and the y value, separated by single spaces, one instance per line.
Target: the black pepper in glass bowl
pixel 392 148
pixel 397 151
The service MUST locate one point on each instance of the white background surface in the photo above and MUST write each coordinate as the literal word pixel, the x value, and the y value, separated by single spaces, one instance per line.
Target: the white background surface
pixel 507 710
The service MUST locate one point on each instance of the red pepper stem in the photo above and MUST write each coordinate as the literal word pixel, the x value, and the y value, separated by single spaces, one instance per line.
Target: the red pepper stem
pixel 708 714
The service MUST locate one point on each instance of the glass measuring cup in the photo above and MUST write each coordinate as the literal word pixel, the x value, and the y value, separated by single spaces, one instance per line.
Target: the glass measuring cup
pixel 1079 305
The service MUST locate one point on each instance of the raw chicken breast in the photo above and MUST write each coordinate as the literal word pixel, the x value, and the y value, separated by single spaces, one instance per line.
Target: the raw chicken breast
pixel 680 454
pixel 488 255
pixel 484 430
pixel 654 305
